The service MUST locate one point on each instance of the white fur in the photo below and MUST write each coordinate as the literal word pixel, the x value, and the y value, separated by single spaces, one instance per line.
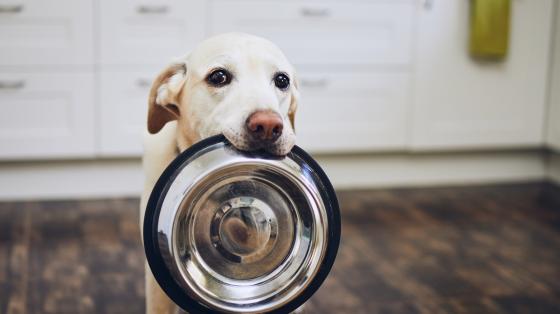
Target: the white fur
pixel 205 110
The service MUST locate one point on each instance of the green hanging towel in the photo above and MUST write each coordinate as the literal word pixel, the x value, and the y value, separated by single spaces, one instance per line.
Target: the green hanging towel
pixel 489 35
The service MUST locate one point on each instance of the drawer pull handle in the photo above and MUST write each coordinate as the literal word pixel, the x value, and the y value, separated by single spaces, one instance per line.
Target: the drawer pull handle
pixel 12 84
pixel 153 9
pixel 428 4
pixel 315 12
pixel 143 83
pixel 17 8
pixel 315 83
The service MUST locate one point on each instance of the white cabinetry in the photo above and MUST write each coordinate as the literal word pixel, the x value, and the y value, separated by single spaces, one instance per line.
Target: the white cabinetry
pixel 46 79
pixel 123 111
pixel 375 75
pixel 148 32
pixel 352 111
pixel 40 32
pixel 324 32
pixel 462 103
pixel 46 115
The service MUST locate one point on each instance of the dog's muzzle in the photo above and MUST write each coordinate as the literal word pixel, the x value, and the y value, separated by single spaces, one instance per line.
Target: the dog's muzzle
pixel 231 231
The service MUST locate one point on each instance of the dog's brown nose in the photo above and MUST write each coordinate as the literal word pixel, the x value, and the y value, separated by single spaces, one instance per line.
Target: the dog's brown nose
pixel 265 126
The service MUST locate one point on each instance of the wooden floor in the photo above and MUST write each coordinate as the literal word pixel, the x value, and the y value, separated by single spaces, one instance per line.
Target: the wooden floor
pixel 486 249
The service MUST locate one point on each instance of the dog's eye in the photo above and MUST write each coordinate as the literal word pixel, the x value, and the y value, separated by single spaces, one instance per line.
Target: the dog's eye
pixel 219 78
pixel 281 80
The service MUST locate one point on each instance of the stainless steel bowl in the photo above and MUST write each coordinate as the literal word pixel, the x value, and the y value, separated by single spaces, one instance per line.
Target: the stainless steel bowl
pixel 237 232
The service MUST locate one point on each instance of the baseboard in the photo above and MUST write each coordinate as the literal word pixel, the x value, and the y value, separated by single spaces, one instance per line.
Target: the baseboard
pixel 123 178
pixel 434 169
pixel 554 167
pixel 70 179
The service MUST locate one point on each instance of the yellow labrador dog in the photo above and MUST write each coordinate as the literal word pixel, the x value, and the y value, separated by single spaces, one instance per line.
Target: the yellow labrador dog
pixel 236 84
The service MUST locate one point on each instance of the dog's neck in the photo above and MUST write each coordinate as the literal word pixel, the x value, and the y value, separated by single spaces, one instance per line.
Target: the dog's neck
pixel 182 142
pixel 184 137
pixel 181 145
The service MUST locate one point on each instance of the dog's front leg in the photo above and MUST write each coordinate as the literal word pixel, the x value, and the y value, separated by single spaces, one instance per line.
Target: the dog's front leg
pixel 157 301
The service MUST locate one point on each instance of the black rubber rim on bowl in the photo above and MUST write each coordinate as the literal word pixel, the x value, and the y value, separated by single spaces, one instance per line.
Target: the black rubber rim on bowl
pixel 162 274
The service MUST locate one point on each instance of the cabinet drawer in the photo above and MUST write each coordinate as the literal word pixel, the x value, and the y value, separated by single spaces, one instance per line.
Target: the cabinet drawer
pixel 352 112
pixel 124 105
pixel 46 32
pixel 46 115
pixel 140 32
pixel 324 32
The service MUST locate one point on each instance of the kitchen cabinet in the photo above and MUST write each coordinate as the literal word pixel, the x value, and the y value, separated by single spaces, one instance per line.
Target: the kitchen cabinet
pixel 341 112
pixel 374 75
pixel 460 102
pixel 46 115
pixel 40 32
pixel 324 32
pixel 137 32
pixel 123 111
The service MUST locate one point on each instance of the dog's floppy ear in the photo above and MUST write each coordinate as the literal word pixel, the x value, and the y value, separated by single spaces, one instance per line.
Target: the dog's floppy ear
pixel 294 103
pixel 163 102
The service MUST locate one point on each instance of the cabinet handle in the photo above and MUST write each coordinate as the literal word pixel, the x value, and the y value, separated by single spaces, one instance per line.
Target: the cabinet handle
pixel 315 12
pixel 16 8
pixel 152 9
pixel 143 83
pixel 428 4
pixel 315 83
pixel 12 84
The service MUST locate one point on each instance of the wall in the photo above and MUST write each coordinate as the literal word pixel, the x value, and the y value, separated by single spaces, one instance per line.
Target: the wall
pixel 553 135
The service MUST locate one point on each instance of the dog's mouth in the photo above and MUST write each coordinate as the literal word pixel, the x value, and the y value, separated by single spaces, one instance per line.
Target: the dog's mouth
pixel 281 147
pixel 272 148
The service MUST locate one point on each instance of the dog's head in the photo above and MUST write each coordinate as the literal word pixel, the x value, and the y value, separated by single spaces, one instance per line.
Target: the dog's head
pixel 236 84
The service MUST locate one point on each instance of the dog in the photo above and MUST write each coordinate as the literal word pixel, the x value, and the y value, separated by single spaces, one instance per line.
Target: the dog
pixel 236 84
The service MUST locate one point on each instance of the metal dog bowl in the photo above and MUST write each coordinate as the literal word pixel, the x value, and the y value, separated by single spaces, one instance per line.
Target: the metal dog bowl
pixel 237 232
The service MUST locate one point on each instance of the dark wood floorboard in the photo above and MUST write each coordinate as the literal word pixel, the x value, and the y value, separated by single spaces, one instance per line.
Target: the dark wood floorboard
pixel 477 249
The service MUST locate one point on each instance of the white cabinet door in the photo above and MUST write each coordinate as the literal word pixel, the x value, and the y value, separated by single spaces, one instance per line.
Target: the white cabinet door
pixel 46 32
pixel 153 32
pixel 342 112
pixel 324 32
pixel 124 107
pixel 463 103
pixel 46 115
